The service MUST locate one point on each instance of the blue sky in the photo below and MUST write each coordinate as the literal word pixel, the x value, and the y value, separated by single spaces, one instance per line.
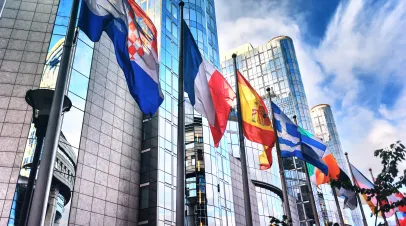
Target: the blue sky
pixel 351 55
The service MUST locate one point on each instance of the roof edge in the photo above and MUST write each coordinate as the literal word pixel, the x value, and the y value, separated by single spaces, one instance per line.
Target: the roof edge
pixel 320 105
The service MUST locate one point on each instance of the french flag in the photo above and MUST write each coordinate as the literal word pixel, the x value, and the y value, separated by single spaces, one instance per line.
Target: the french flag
pixel 135 42
pixel 208 90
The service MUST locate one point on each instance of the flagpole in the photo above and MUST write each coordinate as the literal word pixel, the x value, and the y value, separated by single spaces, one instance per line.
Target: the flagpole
pixel 377 202
pixel 180 180
pixel 340 214
pixel 43 184
pixel 309 185
pixel 359 199
pixel 397 219
pixel 245 180
pixel 281 170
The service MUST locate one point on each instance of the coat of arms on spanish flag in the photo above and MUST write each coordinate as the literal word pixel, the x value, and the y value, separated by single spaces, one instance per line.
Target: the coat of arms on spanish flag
pixel 256 120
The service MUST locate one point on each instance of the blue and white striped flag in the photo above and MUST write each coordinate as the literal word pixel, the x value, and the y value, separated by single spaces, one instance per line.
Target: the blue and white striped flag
pixel 297 142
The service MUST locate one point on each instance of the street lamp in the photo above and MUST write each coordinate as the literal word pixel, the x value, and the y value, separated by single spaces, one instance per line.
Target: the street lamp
pixel 41 101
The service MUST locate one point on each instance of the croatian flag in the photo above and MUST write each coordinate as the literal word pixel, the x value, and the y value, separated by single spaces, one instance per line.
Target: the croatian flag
pixel 208 90
pixel 135 41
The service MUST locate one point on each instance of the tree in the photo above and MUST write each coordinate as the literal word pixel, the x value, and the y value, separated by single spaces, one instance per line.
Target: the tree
pixel 387 182
pixel 284 222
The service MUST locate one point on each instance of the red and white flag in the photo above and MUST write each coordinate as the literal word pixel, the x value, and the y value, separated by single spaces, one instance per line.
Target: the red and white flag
pixel 208 91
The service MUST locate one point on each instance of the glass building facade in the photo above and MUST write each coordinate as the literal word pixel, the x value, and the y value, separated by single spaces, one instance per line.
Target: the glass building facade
pixel 117 166
pixel 275 65
pixel 98 133
pixel 267 183
pixel 66 158
pixel 208 176
pixel 325 127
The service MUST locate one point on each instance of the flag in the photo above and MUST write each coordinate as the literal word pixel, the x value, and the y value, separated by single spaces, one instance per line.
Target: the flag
pixel 208 90
pixel 336 173
pixel 333 169
pixel 135 42
pixel 394 198
pixel 312 173
pixel 362 182
pixel 350 197
pixel 399 196
pixel 256 122
pixel 401 218
pixel 297 142
pixel 265 158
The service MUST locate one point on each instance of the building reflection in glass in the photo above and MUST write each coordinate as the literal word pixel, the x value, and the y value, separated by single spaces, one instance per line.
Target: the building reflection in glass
pixel 267 183
pixel 275 65
pixel 66 158
pixel 325 127
pixel 208 179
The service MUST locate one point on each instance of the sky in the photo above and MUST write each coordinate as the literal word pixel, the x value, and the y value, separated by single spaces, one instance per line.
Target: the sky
pixel 351 55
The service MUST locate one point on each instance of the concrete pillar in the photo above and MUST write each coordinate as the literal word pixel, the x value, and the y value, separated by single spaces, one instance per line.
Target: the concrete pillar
pixel 51 209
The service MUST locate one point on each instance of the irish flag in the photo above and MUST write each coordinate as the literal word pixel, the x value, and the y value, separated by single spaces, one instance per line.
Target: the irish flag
pixel 335 173
pixel 333 170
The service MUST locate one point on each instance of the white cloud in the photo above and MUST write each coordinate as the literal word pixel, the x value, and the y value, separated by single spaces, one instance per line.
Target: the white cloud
pixel 258 22
pixel 364 40
pixel 362 49
pixel 397 111
pixel 236 26
pixel 362 133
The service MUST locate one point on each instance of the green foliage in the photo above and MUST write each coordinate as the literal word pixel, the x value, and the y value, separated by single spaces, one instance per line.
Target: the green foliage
pixel 284 222
pixel 387 182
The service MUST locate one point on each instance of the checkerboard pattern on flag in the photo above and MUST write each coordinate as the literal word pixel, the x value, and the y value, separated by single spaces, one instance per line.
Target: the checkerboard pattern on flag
pixel 135 42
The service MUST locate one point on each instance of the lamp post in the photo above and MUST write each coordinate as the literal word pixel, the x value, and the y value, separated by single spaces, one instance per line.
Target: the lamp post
pixel 40 100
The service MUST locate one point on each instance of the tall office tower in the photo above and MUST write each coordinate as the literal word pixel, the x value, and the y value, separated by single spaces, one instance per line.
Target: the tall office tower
pixel 265 185
pixel 96 174
pixel 275 65
pixel 208 176
pixel 120 165
pixel 325 127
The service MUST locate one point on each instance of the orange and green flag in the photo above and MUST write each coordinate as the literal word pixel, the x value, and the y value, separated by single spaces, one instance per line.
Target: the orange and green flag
pixel 256 121
pixel 333 170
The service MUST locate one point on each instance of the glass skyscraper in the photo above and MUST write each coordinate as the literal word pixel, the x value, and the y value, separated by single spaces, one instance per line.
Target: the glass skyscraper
pixel 118 166
pixel 265 185
pixel 208 176
pixel 124 163
pixel 325 127
pixel 32 35
pixel 275 65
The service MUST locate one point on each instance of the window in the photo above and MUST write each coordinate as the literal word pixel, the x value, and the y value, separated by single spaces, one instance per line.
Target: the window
pixel 144 196
pixel 193 160
pixel 144 6
pixel 174 11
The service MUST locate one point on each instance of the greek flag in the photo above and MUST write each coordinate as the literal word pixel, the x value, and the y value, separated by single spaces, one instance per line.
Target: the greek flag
pixel 297 142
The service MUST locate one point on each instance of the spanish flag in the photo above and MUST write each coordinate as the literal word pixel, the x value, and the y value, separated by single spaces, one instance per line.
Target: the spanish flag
pixel 256 121
pixel 265 158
